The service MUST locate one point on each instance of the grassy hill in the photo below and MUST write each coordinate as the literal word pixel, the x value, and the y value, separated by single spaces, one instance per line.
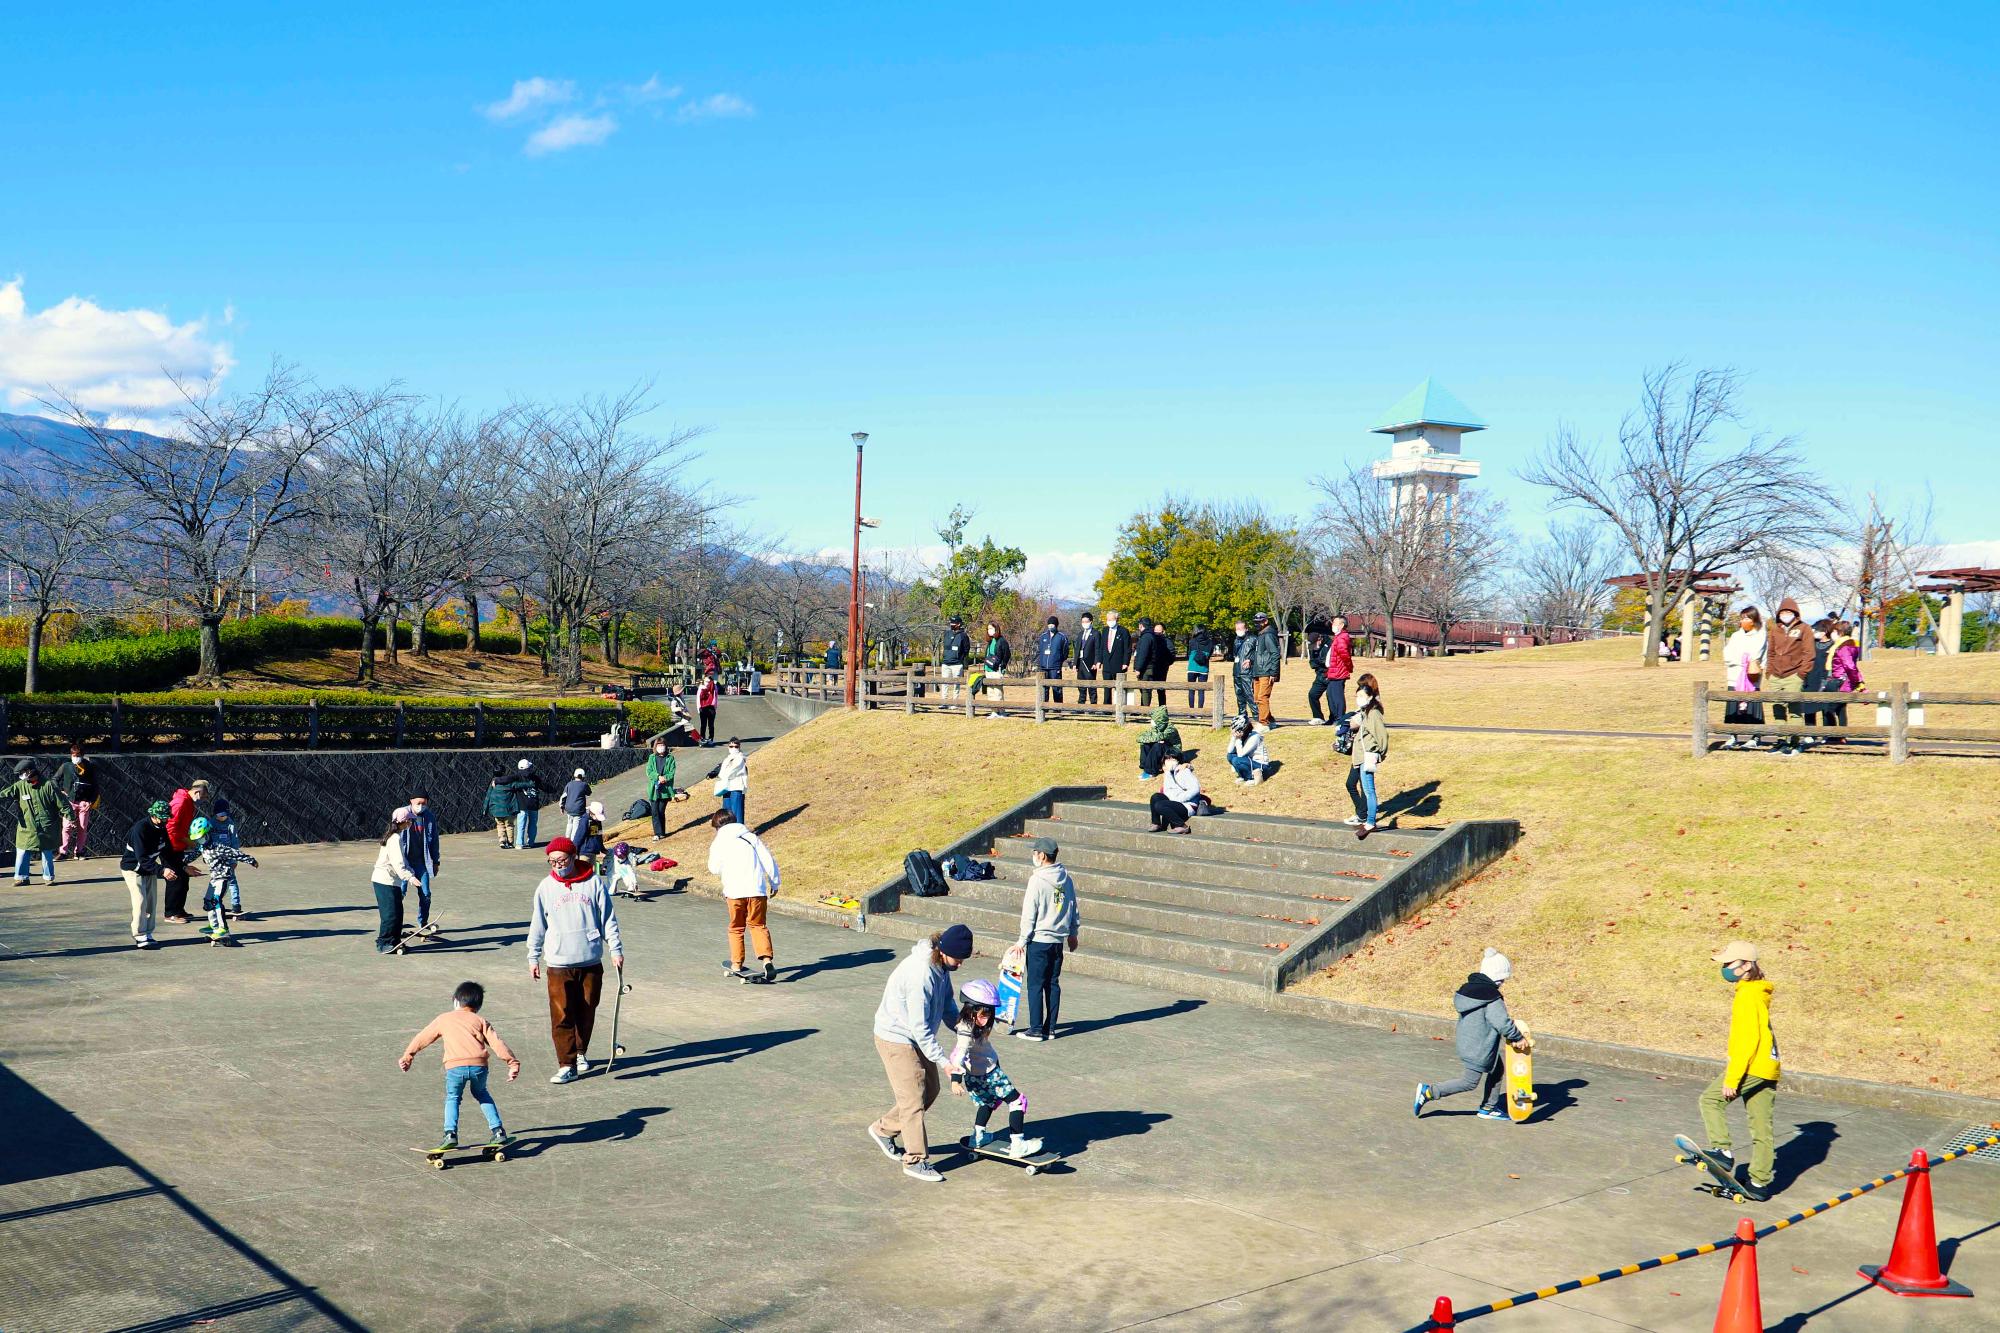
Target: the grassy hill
pixel 1866 884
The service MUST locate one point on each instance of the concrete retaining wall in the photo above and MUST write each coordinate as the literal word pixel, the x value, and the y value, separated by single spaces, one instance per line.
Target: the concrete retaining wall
pixel 886 896
pixel 291 796
pixel 797 710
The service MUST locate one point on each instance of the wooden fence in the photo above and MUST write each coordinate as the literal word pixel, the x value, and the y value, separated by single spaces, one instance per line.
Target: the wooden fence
pixel 922 690
pixel 1897 700
pixel 118 726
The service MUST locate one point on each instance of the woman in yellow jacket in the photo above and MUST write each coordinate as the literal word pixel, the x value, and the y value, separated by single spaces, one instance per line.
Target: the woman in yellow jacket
pixel 1752 1069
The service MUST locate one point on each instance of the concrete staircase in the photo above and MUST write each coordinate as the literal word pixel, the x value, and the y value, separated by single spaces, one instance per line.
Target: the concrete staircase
pixel 1215 913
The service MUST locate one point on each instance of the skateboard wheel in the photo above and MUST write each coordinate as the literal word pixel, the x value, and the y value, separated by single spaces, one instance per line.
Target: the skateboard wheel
pixel 1034 1170
pixel 438 1163
pixel 499 1156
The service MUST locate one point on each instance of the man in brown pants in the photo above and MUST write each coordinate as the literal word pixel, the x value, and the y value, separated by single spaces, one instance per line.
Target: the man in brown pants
pixel 915 1004
pixel 568 929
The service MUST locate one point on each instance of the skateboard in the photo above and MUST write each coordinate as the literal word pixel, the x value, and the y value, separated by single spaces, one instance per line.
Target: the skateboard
pixel 1034 1163
pixel 1722 1183
pixel 1520 1084
pixel 617 999
pixel 747 976
pixel 415 935
pixel 440 1158
pixel 224 939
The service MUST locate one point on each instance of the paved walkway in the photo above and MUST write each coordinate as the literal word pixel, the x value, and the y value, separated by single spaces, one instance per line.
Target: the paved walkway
pixel 201 1134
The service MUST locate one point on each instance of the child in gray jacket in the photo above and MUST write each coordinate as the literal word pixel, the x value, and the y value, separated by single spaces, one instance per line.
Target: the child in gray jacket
pixel 1483 1023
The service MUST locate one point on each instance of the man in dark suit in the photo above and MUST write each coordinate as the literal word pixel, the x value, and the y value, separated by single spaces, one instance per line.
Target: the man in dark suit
pixel 1117 650
pixel 1143 649
pixel 1089 656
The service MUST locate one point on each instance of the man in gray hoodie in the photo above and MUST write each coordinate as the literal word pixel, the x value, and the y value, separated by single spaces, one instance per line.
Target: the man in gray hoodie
pixel 568 928
pixel 915 1004
pixel 1049 923
pixel 1483 1023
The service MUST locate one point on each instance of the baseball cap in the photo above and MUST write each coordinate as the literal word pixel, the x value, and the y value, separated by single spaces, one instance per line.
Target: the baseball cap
pixel 1736 951
pixel 1046 846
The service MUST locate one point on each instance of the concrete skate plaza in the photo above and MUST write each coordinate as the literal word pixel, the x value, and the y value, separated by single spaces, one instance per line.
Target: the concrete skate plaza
pixel 201 1134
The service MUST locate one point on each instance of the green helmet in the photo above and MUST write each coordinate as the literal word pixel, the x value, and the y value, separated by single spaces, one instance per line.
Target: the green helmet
pixel 198 830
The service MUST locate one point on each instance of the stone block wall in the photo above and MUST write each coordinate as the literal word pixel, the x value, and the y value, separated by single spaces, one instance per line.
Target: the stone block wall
pixel 316 795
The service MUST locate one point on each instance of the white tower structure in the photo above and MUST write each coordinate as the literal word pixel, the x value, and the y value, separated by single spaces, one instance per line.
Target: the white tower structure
pixel 1424 428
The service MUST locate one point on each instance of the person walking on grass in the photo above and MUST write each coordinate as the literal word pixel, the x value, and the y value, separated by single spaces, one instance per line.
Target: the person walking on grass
pixel 1339 661
pixel 469 1041
pixel 40 811
pixel 392 877
pixel 1160 739
pixel 1750 1072
pixel 1743 668
pixel 148 858
pixel 916 1002
pixel 732 780
pixel 570 925
pixel 77 781
pixel 501 807
pixel 1178 799
pixel 1483 1023
pixel 528 793
pixel 749 875
pixel 1050 920
pixel 1266 658
pixel 661 772
pixel 1788 660
pixel 1247 755
pixel 1089 657
pixel 1371 747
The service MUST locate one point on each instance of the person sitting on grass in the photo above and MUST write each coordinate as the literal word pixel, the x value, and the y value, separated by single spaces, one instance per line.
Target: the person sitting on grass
pixel 1178 798
pixel 1483 1023
pixel 1160 739
pixel 1247 754
pixel 467 1039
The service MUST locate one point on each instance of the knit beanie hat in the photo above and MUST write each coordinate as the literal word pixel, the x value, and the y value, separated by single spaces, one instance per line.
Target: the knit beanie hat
pixel 956 942
pixel 1494 966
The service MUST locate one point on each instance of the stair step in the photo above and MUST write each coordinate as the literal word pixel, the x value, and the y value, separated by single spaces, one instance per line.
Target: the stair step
pixel 1096 936
pixel 1198 845
pixel 1251 929
pixel 1280 830
pixel 1237 873
pixel 1107 886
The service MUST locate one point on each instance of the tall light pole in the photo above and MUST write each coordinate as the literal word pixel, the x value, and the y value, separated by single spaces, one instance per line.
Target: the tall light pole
pixel 854 576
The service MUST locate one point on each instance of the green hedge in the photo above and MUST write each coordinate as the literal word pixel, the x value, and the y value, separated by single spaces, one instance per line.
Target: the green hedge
pixel 143 662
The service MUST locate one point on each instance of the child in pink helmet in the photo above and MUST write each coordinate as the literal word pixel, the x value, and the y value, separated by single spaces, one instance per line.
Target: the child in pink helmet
pixel 984 1080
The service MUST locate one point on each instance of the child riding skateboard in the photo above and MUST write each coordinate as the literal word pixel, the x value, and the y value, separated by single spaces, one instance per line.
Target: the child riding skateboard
pixel 1483 1023
pixel 1750 1074
pixel 984 1080
pixel 467 1039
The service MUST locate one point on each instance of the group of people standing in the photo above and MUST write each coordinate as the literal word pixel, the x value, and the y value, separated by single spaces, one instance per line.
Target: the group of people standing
pixel 52 814
pixel 1789 656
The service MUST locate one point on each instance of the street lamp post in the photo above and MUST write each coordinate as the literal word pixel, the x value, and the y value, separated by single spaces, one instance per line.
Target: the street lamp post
pixel 854 577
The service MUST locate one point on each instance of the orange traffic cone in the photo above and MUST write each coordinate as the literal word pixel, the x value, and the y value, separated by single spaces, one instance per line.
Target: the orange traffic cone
pixel 1441 1315
pixel 1913 1269
pixel 1741 1309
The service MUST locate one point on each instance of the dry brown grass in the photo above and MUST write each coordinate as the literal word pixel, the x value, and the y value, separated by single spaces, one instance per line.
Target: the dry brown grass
pixel 1866 883
pixel 475 675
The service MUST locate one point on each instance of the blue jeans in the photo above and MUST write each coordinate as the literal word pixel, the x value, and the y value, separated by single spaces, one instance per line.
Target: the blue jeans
pixel 1359 782
pixel 732 801
pixel 524 827
pixel 463 1078
pixel 1042 987
pixel 1244 768
pixel 22 858
pixel 423 897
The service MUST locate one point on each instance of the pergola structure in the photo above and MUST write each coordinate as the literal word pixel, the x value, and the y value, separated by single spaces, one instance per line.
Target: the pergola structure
pixel 1953 585
pixel 1703 598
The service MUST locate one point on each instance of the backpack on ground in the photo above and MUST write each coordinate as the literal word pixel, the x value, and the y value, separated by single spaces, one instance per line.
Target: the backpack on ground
pixel 920 868
pixel 638 810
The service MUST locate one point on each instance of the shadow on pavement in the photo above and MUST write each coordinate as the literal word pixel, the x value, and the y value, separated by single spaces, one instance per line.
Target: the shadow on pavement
pixel 625 1125
pixel 713 1051
pixel 1796 1323
pixel 1135 1016
pixel 1802 1152
pixel 836 962
pixel 1552 1098
pixel 1072 1135
pixel 1948 1248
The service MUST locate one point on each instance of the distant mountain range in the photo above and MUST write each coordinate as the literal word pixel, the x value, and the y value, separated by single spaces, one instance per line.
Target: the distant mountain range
pixel 19 434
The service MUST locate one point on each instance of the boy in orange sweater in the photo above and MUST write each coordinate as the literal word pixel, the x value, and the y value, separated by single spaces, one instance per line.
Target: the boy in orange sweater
pixel 467 1039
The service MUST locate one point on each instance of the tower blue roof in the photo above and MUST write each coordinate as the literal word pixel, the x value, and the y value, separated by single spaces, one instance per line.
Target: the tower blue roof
pixel 1429 404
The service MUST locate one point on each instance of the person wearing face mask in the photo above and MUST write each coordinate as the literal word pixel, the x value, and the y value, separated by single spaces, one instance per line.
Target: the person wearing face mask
pixel 1089 656
pixel 1743 671
pixel 1239 673
pixel 422 850
pixel 1117 653
pixel 916 1002
pixel 660 774
pixel 1788 660
pixel 1371 747
pixel 997 655
pixel 40 810
pixel 953 654
pixel 732 780
pixel 1750 1072
pixel 571 924
pixel 1051 654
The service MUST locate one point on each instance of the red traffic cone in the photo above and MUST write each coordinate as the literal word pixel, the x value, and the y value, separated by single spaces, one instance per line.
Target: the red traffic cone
pixel 1913 1269
pixel 1741 1309
pixel 1441 1315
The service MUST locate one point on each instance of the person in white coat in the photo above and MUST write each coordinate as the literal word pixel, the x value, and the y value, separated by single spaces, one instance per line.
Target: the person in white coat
pixel 1179 797
pixel 917 1002
pixel 732 780
pixel 1247 753
pixel 749 875
pixel 1743 669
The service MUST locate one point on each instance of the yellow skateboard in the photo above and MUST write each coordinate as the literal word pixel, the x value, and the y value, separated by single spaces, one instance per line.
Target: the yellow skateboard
pixel 1520 1084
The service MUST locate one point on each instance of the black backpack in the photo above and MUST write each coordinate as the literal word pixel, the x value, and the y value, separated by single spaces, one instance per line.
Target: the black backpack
pixel 920 868
pixel 639 810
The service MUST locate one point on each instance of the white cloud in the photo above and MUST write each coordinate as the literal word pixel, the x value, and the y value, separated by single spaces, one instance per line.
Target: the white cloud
pixel 652 90
pixel 120 364
pixel 572 131
pixel 717 106
pixel 1070 575
pixel 530 95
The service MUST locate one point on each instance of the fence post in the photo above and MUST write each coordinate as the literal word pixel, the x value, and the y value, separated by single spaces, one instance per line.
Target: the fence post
pixel 220 726
pixel 909 689
pixel 1041 687
pixel 555 736
pixel 478 722
pixel 968 702
pixel 399 724
pixel 1700 718
pixel 117 722
pixel 1215 704
pixel 1899 722
pixel 312 723
pixel 1118 700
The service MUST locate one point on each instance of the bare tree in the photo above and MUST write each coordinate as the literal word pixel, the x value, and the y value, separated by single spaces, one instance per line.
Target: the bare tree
pixel 201 504
pixel 1286 579
pixel 1680 502
pixel 57 533
pixel 1560 580
pixel 1464 561
pixel 1373 548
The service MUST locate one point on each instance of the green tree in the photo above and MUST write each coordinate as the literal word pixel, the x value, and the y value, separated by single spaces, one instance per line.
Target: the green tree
pixel 1628 610
pixel 970 579
pixel 1191 564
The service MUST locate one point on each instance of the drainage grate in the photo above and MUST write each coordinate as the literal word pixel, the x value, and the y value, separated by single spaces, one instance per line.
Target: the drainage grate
pixel 1972 1134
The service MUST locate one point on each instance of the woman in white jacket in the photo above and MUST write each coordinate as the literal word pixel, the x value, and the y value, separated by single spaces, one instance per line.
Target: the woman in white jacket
pixel 732 780
pixel 1177 798
pixel 1743 668
pixel 392 877
pixel 1247 754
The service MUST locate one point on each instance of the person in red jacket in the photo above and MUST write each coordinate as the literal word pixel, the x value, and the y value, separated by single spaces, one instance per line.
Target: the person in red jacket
pixel 1331 671
pixel 704 704
pixel 181 812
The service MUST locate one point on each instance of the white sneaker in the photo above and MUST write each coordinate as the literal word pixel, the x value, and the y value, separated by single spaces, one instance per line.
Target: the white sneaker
pixel 923 1171
pixel 566 1074
pixel 1257 777
pixel 1352 820
pixel 582 1066
pixel 1023 1147
pixel 1317 722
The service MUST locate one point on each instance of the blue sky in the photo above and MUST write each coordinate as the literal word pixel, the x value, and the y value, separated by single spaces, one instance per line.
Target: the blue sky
pixel 1055 259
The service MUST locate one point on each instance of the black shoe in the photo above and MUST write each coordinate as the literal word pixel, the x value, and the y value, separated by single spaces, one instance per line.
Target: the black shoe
pixel 770 970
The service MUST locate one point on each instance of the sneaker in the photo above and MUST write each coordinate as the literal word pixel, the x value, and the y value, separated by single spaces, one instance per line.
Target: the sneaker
pixel 887 1143
pixel 1023 1147
pixel 923 1171
pixel 20 883
pixel 1491 1113
pixel 1352 820
pixel 567 1074
pixel 1317 722
pixel 501 1138
pixel 146 943
pixel 448 1141
pixel 770 970
pixel 1362 830
pixel 1423 1095
pixel 1257 777
pixel 582 1066
pixel 1024 1034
